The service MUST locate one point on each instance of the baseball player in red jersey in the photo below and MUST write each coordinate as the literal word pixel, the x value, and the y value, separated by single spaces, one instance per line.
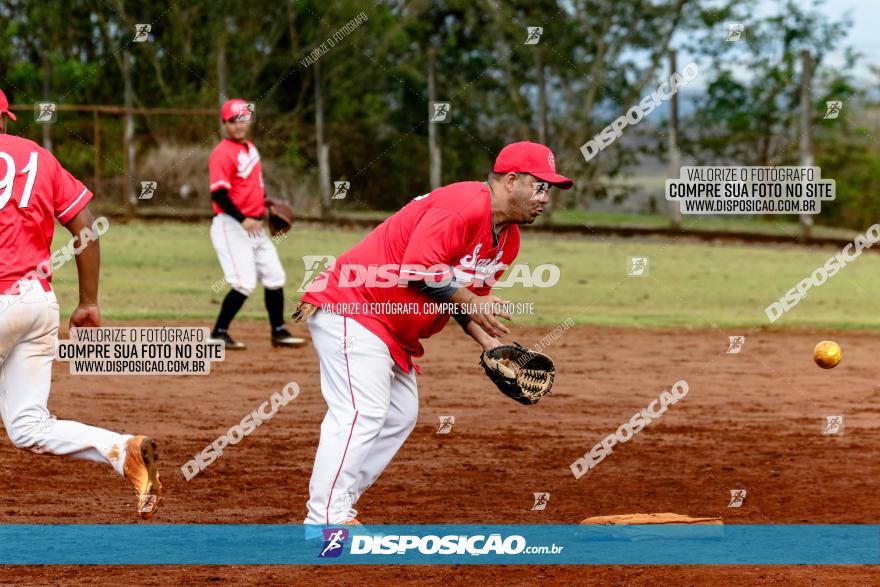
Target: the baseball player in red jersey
pixel 34 191
pixel 245 251
pixel 368 312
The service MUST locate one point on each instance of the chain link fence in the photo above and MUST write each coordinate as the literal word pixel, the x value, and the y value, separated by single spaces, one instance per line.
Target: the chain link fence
pixel 153 162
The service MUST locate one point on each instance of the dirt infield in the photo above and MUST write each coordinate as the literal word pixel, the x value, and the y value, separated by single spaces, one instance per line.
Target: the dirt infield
pixel 750 421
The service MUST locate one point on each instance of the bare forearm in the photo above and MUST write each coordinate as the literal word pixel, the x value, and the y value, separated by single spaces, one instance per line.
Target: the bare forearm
pixel 482 310
pixel 463 296
pixel 483 339
pixel 88 257
pixel 88 266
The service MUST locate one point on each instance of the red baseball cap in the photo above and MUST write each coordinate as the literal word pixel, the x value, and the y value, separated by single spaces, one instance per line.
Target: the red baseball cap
pixel 534 159
pixel 233 109
pixel 4 106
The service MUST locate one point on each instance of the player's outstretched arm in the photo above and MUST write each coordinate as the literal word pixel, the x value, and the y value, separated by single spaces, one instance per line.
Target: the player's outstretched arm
pixel 478 334
pixel 88 267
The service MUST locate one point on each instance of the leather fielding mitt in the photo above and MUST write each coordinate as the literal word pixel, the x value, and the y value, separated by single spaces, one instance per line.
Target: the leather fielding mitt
pixel 304 311
pixel 280 216
pixel 519 373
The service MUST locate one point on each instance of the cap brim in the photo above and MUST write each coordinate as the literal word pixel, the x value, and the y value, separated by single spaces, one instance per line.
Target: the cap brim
pixel 8 113
pixel 554 179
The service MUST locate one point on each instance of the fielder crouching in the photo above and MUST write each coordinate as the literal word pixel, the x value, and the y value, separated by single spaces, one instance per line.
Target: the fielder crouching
pixel 469 230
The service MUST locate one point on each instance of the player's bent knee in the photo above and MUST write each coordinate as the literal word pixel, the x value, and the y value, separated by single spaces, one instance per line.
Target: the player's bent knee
pixel 371 421
pixel 411 415
pixel 372 416
pixel 365 420
pixel 23 436
pixel 243 289
pixel 22 441
pixel 404 421
pixel 410 424
pixel 275 282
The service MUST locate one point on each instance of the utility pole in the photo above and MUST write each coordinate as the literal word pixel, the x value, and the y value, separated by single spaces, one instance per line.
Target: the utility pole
pixel 806 145
pixel 674 152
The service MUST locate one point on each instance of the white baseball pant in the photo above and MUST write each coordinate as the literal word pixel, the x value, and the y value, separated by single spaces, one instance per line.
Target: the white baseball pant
pixel 28 335
pixel 245 258
pixel 372 406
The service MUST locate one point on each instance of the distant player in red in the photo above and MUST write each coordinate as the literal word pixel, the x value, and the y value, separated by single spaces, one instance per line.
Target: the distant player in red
pixel 35 191
pixel 446 247
pixel 245 251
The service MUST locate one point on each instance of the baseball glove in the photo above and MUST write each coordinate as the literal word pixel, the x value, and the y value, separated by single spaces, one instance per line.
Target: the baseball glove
pixel 519 373
pixel 280 216
pixel 304 311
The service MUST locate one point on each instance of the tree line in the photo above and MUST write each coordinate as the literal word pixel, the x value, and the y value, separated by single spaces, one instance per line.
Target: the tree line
pixel 343 89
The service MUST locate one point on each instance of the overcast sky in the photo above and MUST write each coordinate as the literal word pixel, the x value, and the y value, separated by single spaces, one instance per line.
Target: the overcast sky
pixel 866 17
pixel 863 35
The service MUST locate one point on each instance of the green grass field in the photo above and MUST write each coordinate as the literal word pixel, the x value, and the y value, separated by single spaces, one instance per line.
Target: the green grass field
pixel 167 270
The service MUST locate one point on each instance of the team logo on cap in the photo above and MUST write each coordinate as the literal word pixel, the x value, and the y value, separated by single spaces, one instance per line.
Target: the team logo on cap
pixel 551 161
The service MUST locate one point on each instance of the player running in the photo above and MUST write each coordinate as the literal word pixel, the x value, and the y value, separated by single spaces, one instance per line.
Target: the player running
pixel 245 251
pixel 34 191
pixel 461 235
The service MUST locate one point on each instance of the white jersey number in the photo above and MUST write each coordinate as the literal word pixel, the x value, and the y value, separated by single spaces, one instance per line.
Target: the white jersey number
pixel 9 177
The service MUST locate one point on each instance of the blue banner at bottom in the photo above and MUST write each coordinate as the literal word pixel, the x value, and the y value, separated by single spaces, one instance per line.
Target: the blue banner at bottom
pixel 259 544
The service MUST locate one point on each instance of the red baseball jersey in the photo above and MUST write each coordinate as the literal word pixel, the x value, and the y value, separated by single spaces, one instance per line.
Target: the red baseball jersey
pixel 34 190
pixel 448 230
pixel 237 167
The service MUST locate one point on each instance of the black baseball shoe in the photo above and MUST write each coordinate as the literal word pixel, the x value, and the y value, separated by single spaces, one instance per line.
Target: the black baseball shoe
pixel 227 341
pixel 284 338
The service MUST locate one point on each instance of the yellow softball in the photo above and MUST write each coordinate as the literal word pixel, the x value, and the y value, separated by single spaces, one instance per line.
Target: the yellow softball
pixel 827 354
